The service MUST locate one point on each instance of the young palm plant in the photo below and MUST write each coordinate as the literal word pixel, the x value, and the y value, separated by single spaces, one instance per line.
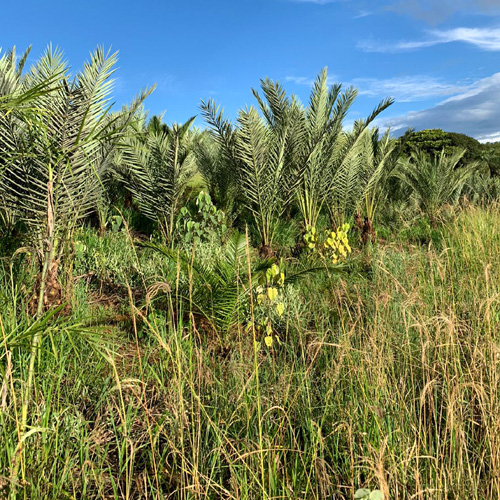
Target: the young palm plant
pixel 330 161
pixel 355 169
pixel 53 156
pixel 155 165
pixel 260 147
pixel 435 181
pixel 217 172
pixel 321 138
pixel 382 159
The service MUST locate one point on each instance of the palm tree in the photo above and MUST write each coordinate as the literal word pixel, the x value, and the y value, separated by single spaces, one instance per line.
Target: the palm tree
pixel 217 171
pixel 330 159
pixel 155 165
pixel 381 159
pixel 14 97
pixel 283 151
pixel 435 181
pixel 55 138
pixel 54 155
pixel 260 147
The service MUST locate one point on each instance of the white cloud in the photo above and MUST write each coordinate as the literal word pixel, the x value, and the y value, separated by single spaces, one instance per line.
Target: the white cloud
pixel 482 38
pixel 299 80
pixel 475 112
pixel 403 88
pixel 306 80
pixel 408 88
pixel 491 137
pixel 431 11
pixel 363 13
pixel 434 11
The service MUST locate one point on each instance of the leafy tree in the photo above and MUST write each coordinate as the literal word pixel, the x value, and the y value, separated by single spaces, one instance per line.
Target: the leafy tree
pixel 489 155
pixel 433 141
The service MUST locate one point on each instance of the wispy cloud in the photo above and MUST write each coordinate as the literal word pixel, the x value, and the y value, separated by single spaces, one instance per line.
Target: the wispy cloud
pixel 408 88
pixel 431 11
pixel 299 80
pixel 483 38
pixel 474 112
pixel 305 80
pixel 363 13
pixel 402 88
pixel 435 11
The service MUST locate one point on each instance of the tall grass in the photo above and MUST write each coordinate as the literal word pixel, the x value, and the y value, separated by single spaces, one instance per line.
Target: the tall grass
pixel 386 377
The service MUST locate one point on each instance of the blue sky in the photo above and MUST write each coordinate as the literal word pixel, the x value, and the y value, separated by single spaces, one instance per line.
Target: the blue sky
pixel 438 58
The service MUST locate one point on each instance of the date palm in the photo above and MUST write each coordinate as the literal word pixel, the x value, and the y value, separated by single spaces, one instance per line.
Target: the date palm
pixel 217 171
pixel 155 165
pixel 435 181
pixel 53 152
pixel 55 155
pixel 332 160
pixel 380 160
pixel 260 147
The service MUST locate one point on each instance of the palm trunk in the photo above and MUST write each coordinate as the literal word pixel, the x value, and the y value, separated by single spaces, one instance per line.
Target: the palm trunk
pixel 49 269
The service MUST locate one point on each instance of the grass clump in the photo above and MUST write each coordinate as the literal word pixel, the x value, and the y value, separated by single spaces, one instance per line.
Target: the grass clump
pixel 385 381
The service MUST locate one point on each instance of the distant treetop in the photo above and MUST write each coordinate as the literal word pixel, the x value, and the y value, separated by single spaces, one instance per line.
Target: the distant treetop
pixel 433 141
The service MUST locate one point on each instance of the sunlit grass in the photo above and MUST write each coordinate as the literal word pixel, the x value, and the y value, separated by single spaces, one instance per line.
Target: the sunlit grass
pixel 386 377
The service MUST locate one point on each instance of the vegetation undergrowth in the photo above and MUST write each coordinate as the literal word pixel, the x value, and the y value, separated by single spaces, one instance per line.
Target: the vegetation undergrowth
pixel 388 381
pixel 277 308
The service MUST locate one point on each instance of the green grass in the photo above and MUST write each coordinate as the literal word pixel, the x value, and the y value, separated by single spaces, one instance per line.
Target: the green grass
pixel 387 376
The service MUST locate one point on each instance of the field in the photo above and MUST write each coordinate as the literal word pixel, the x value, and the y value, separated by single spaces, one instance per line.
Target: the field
pixel 385 376
pixel 273 309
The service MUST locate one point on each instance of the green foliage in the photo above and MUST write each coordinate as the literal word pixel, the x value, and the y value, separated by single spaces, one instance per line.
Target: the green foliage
pixel 433 141
pixel 116 223
pixel 206 223
pixel 218 171
pixel 258 148
pixel 434 181
pixel 335 166
pixel 56 156
pixel 489 156
pixel 218 273
pixel 155 164
pixel 199 370
pixel 287 152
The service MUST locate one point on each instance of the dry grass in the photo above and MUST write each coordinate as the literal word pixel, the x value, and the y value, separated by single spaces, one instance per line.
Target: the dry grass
pixel 388 381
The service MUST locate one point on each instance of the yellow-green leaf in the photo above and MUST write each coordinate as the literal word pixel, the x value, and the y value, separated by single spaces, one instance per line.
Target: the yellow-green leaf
pixel 272 293
pixel 280 308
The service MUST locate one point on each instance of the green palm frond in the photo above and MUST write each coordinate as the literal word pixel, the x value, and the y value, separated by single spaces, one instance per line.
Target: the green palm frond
pixel 435 181
pixel 259 149
pixel 57 153
pixel 155 165
pixel 217 292
pixel 331 161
